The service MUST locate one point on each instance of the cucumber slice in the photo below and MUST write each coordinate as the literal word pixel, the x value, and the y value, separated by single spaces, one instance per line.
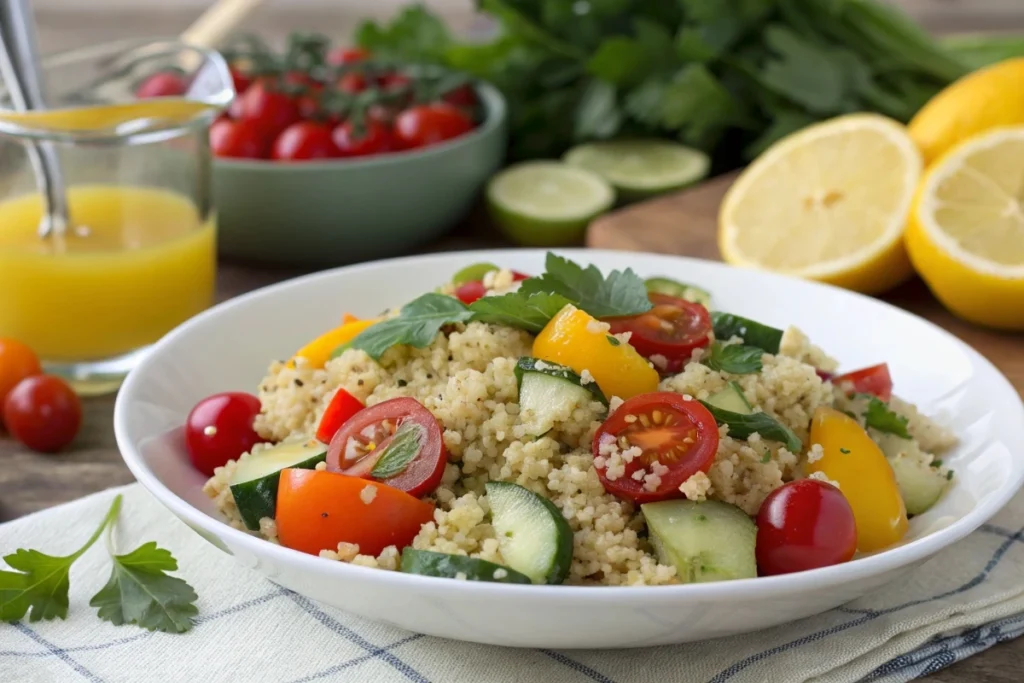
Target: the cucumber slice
pixel 921 485
pixel 704 541
pixel 429 563
pixel 533 536
pixel 664 285
pixel 731 398
pixel 472 273
pixel 544 382
pixel 254 481
pixel 753 333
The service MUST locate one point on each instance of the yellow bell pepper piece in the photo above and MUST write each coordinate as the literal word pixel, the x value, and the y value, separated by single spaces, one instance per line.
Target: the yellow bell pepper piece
pixel 864 476
pixel 575 339
pixel 318 351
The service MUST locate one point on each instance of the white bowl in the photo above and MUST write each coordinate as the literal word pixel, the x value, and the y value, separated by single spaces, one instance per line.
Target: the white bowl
pixel 230 346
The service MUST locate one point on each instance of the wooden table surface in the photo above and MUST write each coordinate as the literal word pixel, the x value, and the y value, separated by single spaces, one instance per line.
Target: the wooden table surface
pixel 30 482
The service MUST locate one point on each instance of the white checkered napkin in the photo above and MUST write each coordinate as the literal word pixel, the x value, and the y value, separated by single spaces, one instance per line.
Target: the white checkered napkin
pixel 966 599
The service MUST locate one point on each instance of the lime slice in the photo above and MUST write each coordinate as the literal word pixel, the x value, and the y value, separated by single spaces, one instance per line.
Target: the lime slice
pixel 547 203
pixel 641 168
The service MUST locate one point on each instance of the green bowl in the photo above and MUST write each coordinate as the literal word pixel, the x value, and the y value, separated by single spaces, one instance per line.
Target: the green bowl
pixel 341 211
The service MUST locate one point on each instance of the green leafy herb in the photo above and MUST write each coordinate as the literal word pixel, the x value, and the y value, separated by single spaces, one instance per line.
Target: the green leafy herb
pixel 741 426
pixel 727 326
pixel 417 325
pixel 613 341
pixel 530 312
pixel 141 592
pixel 766 457
pixel 881 417
pixel 399 452
pixel 736 359
pixel 844 451
pixel 949 475
pixel 40 586
pixel 936 463
pixel 413 34
pixel 621 293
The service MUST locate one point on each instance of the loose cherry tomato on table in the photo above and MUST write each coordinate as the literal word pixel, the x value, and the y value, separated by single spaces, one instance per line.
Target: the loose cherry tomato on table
pixel 679 434
pixel 304 141
pixel 43 413
pixel 804 525
pixel 429 124
pixel 374 138
pixel 317 510
pixel 672 329
pixel 241 139
pixel 163 84
pixel 341 408
pixel 220 428
pixel 468 292
pixel 397 442
pixel 272 109
pixel 874 380
pixel 346 55
pixel 17 361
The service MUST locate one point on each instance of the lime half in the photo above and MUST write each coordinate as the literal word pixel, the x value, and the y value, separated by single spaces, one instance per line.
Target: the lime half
pixel 641 168
pixel 547 203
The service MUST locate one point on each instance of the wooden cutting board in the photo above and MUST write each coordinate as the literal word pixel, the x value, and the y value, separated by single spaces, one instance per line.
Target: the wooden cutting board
pixel 683 223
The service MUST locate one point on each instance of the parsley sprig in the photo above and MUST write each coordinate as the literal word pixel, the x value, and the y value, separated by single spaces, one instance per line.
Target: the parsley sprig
pixel 881 417
pixel 139 591
pixel 736 359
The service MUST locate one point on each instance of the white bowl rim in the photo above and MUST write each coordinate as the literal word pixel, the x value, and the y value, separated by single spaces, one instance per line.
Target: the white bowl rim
pixel 721 591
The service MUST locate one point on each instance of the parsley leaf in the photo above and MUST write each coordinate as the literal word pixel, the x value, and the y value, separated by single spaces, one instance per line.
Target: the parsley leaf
pixel 881 417
pixel 736 359
pixel 399 452
pixel 621 293
pixel 417 325
pixel 741 426
pixel 413 35
pixel 530 312
pixel 41 582
pixel 140 592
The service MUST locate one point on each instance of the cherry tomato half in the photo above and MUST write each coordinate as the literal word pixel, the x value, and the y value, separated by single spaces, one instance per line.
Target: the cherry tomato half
pixel 804 525
pixel 17 361
pixel 677 433
pixel 163 84
pixel 342 407
pixel 672 329
pixel 374 138
pixel 429 124
pixel 43 413
pixel 304 141
pixel 874 380
pixel 372 435
pixel 272 109
pixel 346 55
pixel 241 139
pixel 468 292
pixel 219 429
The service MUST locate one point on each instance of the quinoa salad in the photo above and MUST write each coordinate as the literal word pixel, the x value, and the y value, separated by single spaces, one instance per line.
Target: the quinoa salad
pixel 572 427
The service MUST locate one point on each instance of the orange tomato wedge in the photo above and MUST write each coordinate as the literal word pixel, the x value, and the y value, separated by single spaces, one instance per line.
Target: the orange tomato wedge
pixel 317 510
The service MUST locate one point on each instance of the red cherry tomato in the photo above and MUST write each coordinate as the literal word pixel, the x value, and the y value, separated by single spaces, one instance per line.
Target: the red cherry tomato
pixel 240 80
pixel 804 525
pixel 394 80
pixel 375 138
pixel 43 413
pixel 346 55
pixel 219 429
pixel 309 106
pixel 874 380
pixel 673 328
pixel 303 141
pixel 353 82
pixel 163 84
pixel 463 97
pixel 17 361
pixel 272 109
pixel 468 292
pixel 387 430
pixel 825 375
pixel 679 434
pixel 429 124
pixel 239 139
pixel 342 407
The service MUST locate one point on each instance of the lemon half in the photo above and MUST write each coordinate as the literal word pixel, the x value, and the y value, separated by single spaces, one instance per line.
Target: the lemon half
pixel 828 203
pixel 966 232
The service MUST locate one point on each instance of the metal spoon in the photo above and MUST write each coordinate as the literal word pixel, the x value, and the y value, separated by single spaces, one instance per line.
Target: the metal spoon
pixel 19 67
